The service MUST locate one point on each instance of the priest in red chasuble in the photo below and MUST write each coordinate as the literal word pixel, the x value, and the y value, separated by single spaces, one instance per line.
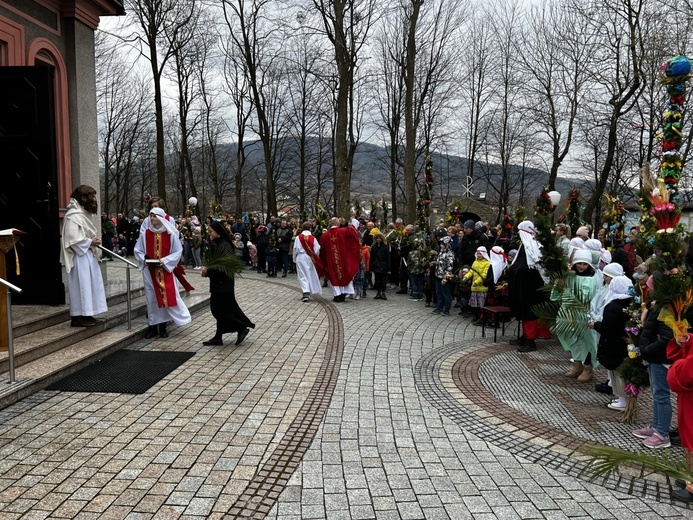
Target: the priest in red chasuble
pixel 158 252
pixel 340 253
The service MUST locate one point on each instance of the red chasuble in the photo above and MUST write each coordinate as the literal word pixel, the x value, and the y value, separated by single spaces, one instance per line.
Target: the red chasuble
pixel 308 242
pixel 158 245
pixel 340 252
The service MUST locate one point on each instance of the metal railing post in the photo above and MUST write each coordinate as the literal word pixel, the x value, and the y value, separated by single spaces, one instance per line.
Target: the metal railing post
pixel 128 265
pixel 10 337
pixel 129 296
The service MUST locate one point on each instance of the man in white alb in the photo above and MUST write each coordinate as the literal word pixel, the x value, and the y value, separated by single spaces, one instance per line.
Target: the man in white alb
pixel 79 254
pixel 158 252
pixel 308 265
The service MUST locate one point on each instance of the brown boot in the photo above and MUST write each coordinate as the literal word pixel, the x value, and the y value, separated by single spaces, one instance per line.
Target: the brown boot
pixel 575 371
pixel 586 375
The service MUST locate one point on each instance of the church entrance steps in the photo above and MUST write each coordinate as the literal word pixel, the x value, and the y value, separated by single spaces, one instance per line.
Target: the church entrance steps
pixel 47 348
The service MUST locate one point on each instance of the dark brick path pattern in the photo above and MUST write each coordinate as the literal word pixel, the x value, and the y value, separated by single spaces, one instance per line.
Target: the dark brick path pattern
pixel 524 404
pixel 263 490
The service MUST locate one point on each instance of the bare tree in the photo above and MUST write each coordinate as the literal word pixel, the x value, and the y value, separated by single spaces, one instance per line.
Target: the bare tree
pixel 237 87
pixel 159 21
pixel 346 24
pixel 509 125
pixel 617 24
pixel 389 96
pixel 249 27
pixel 557 52
pixel 124 124
pixel 476 88
pixel 424 62
pixel 190 51
pixel 306 107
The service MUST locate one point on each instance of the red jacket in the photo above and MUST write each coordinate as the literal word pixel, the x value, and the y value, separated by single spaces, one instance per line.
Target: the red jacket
pixel 680 379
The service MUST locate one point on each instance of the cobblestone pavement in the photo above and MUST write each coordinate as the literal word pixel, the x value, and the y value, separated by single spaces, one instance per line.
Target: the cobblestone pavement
pixel 362 409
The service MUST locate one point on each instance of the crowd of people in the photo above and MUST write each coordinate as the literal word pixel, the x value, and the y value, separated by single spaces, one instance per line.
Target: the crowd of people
pixel 463 265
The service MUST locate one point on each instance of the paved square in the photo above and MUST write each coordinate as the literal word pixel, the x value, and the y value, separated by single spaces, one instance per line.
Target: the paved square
pixel 362 409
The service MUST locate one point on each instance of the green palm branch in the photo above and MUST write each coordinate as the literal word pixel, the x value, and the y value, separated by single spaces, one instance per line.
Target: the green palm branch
pixel 605 461
pixel 228 265
pixel 568 311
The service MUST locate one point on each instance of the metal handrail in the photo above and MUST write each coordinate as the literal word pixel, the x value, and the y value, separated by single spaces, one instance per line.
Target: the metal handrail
pixel 10 286
pixel 10 337
pixel 128 265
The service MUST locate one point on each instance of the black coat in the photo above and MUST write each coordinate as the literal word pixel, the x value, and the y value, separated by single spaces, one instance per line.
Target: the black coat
pixel 619 256
pixel 523 288
pixel 613 344
pixel 468 246
pixel 222 302
pixel 263 241
pixel 654 338
pixel 380 258
pixel 218 281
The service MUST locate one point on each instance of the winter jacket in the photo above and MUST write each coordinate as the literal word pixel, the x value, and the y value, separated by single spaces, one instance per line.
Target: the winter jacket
pixel 654 338
pixel 680 379
pixel 444 263
pixel 380 257
pixel 285 234
pixel 417 260
pixel 468 246
pixel 613 346
pixel 478 274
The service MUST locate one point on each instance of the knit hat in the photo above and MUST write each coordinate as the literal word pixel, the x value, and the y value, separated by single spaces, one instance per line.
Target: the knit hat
pixel 613 270
pixel 582 255
pixel 512 252
pixel 374 231
pixel 237 236
pixel 469 224
pixel 583 231
pixel 445 240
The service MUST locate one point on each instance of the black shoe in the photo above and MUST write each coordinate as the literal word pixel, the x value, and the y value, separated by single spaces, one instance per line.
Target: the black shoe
pixel 604 388
pixel 152 332
pixel 402 291
pixel 682 494
pixel 529 346
pixel 162 331
pixel 241 336
pixel 428 304
pixel 383 297
pixel 518 342
pixel 284 274
pixel 81 321
pixel 213 341
pixel 680 483
pixel 378 296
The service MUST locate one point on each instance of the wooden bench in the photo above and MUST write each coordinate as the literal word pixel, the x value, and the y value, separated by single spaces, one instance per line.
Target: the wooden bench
pixel 496 313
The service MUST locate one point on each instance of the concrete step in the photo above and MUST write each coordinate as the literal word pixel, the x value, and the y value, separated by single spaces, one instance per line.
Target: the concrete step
pixel 56 351
pixel 27 319
pixel 52 335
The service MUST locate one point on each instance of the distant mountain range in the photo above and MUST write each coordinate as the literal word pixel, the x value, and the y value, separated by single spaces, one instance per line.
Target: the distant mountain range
pixel 371 175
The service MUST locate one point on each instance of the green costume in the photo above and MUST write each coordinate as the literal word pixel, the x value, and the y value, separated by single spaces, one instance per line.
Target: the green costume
pixel 573 315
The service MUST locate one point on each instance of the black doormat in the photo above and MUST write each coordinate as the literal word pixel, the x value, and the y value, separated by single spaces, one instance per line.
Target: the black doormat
pixel 124 372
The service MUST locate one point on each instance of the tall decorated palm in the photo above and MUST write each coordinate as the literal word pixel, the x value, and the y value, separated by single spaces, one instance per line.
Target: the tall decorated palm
pixel 423 204
pixel 574 209
pixel 661 213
